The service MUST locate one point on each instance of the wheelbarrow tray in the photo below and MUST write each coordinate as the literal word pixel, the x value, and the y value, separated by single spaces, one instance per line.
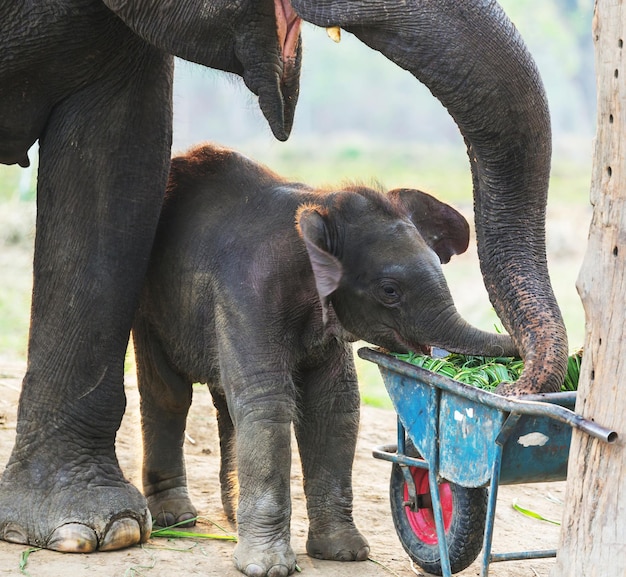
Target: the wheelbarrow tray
pixel 470 424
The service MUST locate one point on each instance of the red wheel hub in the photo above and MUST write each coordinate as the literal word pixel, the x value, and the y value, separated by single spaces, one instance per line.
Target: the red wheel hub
pixel 422 520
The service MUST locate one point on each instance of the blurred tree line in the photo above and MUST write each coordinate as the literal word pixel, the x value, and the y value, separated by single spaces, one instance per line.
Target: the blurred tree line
pixel 350 92
pixel 356 109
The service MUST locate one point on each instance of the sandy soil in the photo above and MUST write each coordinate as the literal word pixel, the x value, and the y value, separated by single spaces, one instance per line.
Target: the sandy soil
pixel 513 531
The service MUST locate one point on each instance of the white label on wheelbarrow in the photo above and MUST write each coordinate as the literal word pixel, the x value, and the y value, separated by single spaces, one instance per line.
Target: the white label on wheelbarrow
pixel 533 440
pixel 458 416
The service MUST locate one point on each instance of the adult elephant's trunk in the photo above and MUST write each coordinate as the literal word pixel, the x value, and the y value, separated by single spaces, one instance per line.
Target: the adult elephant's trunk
pixel 473 60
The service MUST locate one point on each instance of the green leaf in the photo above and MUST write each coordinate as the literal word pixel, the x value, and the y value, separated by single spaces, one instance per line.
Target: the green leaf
pixel 573 371
pixel 502 373
pixel 533 514
pixel 171 532
pixel 24 559
pixel 487 372
pixel 177 534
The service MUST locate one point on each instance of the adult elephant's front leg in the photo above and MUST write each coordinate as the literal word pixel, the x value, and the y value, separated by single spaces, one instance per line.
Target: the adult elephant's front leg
pixel 103 164
pixel 326 430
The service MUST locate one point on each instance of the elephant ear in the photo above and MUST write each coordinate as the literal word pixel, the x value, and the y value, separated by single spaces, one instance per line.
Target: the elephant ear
pixel 444 229
pixel 327 270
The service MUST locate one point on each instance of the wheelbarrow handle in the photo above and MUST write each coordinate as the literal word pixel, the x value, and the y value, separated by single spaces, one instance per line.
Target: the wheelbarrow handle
pixel 578 422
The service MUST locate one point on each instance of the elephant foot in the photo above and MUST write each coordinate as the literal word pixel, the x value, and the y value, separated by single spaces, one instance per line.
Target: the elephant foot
pixel 274 560
pixel 94 509
pixel 345 544
pixel 172 507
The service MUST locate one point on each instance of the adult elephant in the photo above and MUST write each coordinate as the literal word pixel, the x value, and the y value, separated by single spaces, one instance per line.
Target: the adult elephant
pixel 92 81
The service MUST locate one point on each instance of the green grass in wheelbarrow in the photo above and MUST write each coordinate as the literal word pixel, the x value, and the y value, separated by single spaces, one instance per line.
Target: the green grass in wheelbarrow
pixel 487 372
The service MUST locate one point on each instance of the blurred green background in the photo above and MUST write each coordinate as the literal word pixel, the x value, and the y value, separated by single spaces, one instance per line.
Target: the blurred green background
pixel 361 118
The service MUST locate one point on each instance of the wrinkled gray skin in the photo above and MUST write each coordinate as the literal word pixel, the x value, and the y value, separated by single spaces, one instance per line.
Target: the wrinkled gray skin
pixel 91 80
pixel 257 286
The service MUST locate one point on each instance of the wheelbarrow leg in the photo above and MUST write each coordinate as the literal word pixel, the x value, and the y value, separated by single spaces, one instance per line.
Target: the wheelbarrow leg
pixel 491 511
pixel 501 439
pixel 446 570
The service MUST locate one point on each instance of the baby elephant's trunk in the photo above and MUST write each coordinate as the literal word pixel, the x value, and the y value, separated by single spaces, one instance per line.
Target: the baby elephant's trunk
pixel 456 335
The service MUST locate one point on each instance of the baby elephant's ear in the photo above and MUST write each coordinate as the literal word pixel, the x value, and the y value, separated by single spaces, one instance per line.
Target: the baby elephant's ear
pixel 327 269
pixel 444 229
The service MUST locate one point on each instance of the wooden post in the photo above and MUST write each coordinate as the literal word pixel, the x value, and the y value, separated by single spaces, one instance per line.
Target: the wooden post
pixel 593 534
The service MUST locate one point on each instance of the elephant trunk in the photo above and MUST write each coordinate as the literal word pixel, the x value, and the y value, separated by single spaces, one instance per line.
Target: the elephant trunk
pixel 473 60
pixel 455 335
pixel 438 324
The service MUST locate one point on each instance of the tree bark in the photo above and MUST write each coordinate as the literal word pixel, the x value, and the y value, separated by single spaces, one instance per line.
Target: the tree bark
pixel 593 535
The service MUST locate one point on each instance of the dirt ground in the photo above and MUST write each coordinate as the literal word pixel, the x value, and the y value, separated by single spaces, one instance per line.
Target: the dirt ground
pixel 160 557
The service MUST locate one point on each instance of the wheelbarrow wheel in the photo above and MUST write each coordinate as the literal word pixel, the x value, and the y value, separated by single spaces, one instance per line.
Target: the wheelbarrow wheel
pixel 464 513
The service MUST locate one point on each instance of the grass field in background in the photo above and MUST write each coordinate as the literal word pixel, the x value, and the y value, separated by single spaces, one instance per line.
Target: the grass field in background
pixel 438 170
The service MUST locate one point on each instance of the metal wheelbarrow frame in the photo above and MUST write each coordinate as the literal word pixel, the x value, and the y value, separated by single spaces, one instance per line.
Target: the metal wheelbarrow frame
pixel 506 440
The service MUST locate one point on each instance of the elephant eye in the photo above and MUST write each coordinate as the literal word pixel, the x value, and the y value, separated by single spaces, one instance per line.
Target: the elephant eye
pixel 389 292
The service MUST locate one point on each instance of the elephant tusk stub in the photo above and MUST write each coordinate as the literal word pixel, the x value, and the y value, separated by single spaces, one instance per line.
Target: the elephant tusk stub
pixel 334 33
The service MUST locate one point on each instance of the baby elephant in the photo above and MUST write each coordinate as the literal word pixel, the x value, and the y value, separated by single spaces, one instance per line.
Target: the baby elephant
pixel 257 286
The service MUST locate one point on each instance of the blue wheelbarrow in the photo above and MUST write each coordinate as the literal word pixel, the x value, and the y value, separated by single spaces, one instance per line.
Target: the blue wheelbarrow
pixel 456 444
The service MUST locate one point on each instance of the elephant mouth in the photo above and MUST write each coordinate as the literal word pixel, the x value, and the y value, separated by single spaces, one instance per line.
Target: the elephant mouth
pixel 421 349
pixel 288 25
pixel 415 347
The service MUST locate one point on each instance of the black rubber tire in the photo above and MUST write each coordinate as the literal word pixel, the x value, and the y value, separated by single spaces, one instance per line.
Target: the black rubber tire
pixel 465 526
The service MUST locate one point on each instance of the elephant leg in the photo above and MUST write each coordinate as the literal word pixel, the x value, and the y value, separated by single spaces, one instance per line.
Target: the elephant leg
pixel 165 401
pixel 103 167
pixel 263 414
pixel 326 430
pixel 228 454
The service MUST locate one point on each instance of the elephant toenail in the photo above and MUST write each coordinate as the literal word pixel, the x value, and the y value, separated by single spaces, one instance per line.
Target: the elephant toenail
pixel 254 570
pixel 121 533
pixel 343 555
pixel 73 538
pixel 186 520
pixel 278 571
pixel 164 519
pixel 14 533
